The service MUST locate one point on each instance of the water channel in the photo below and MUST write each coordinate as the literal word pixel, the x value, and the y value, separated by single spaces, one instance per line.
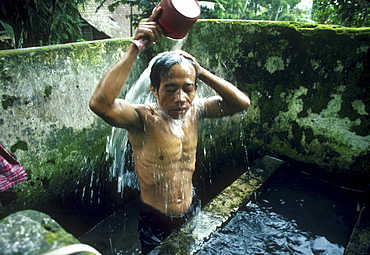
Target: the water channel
pixel 294 213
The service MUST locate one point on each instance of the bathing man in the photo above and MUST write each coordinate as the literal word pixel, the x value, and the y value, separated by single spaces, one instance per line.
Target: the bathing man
pixel 164 134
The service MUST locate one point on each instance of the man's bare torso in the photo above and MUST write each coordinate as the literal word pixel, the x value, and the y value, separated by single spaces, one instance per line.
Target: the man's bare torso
pixel 164 156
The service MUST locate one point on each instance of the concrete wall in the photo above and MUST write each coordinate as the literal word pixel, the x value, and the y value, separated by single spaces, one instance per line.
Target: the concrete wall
pixel 46 124
pixel 309 87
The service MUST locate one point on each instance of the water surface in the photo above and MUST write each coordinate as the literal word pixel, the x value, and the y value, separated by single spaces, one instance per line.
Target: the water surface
pixel 294 213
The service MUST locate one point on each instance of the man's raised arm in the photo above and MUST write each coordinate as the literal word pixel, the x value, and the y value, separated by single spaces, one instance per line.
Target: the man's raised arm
pixel 230 100
pixel 104 101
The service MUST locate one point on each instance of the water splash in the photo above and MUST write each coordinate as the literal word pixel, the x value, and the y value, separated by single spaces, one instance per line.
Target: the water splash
pixel 117 143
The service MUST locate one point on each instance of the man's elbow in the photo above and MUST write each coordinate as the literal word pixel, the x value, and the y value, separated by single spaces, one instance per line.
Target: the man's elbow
pixel 94 106
pixel 244 103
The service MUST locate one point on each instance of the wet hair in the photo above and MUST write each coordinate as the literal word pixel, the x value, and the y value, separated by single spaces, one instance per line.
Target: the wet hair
pixel 163 63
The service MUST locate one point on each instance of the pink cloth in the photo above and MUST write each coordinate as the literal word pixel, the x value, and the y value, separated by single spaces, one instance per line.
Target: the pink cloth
pixel 11 172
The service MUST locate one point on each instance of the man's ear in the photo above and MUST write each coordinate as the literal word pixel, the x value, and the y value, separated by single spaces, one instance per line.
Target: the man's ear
pixel 154 92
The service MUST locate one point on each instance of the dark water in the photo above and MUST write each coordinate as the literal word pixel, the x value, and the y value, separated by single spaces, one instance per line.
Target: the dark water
pixel 294 213
pixel 117 234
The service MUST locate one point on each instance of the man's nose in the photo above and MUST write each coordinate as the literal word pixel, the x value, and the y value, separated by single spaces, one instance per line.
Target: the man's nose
pixel 180 96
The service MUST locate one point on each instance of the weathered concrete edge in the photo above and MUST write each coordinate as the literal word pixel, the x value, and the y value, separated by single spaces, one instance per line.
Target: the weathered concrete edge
pixel 215 214
pixel 359 241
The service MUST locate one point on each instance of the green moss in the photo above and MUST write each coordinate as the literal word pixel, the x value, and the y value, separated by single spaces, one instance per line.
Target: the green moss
pixel 48 90
pixel 303 27
pixel 71 158
pixel 5 73
pixel 20 145
pixel 9 101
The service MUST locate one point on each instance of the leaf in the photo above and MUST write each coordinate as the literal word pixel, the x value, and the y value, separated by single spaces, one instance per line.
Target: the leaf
pixel 8 33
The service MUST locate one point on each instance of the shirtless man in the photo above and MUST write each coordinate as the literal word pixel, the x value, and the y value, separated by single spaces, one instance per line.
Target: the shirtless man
pixel 164 134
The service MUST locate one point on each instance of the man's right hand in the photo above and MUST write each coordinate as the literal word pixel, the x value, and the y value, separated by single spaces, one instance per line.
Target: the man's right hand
pixel 149 31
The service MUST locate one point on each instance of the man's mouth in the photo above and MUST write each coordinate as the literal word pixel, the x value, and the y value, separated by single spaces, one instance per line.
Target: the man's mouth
pixel 179 110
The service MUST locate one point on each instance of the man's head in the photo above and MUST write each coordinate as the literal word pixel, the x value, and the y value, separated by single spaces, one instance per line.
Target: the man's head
pixel 173 83
pixel 163 63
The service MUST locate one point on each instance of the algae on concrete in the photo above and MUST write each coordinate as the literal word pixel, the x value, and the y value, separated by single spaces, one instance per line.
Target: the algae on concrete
pixel 308 85
pixel 47 125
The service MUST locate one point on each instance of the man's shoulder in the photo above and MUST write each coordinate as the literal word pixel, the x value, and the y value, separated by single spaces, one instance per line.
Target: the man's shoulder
pixel 146 112
pixel 198 106
pixel 144 108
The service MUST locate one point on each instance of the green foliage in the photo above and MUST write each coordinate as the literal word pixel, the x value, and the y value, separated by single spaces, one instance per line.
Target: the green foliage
pixel 7 35
pixel 254 9
pixel 224 9
pixel 354 13
pixel 42 22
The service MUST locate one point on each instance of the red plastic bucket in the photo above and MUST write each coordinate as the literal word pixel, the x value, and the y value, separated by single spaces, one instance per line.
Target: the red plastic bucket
pixel 177 17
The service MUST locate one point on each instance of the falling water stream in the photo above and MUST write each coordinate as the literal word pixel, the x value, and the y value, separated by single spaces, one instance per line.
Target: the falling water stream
pixel 117 144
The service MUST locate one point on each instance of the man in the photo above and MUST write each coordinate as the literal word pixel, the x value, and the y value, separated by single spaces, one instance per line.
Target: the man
pixel 164 134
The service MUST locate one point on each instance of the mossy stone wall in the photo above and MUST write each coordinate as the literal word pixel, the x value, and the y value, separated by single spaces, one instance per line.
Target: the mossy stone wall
pixel 309 87
pixel 46 124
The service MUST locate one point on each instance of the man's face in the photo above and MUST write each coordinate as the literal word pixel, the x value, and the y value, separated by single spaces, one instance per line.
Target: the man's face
pixel 177 90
